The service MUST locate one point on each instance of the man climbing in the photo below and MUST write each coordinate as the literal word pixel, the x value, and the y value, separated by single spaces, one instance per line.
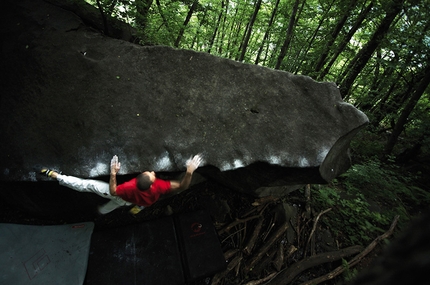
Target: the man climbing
pixel 143 190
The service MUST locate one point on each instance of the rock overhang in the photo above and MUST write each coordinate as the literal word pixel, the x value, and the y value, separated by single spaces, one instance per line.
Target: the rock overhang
pixel 81 97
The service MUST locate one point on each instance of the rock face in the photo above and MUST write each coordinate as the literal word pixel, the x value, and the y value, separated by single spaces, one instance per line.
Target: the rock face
pixel 72 98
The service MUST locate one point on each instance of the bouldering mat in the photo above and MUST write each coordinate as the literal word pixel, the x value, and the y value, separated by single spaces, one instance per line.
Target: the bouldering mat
pixel 169 250
pixel 44 254
pixel 198 241
pixel 145 253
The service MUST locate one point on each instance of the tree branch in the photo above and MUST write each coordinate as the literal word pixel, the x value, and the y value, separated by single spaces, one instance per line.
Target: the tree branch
pixel 288 274
pixel 356 259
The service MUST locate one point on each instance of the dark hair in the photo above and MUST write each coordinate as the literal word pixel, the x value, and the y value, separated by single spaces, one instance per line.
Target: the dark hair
pixel 143 181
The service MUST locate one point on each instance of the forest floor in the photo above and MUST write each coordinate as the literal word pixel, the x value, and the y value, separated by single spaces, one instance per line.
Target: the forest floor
pixel 236 217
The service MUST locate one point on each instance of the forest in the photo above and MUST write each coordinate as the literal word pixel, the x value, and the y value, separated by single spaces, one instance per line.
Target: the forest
pixel 376 51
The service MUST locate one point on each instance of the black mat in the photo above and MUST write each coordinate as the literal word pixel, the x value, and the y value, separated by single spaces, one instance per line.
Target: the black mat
pixel 170 250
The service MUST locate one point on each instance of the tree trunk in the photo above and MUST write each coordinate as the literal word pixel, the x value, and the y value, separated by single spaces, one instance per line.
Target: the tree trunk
pixel 392 101
pixel 363 56
pixel 373 103
pixel 217 25
pixel 266 34
pixel 289 34
pixel 400 124
pixel 142 8
pixel 184 25
pixel 287 275
pixel 235 27
pixel 197 34
pixel 245 42
pixel 220 39
pixel 165 22
pixel 334 34
pixel 103 16
pixel 345 41
pixel 379 90
pixel 310 44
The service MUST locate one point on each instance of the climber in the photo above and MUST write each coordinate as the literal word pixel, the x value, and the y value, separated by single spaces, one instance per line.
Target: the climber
pixel 143 190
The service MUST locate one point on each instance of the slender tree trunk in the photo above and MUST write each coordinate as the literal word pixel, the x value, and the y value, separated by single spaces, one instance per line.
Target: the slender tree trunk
pixel 142 8
pixel 289 35
pixel 239 32
pixel 266 34
pixel 197 35
pixel 184 25
pixel 345 41
pixel 376 105
pixel 363 56
pixel 334 34
pixel 220 39
pixel 397 101
pixel 400 124
pixel 310 42
pixel 105 23
pixel 245 42
pixel 233 30
pixel 165 22
pixel 380 88
pixel 366 102
pixel 217 25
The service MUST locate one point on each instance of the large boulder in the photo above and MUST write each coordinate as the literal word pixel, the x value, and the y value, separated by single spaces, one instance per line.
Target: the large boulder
pixel 73 97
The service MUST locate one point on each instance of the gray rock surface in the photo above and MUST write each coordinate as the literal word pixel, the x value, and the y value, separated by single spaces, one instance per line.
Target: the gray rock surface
pixel 72 98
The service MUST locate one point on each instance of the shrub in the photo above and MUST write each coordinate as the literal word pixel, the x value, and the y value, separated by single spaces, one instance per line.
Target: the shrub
pixel 365 199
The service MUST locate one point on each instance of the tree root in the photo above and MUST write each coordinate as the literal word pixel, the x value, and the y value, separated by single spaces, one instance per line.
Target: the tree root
pixel 235 223
pixel 287 275
pixel 339 270
pixel 262 280
pixel 260 255
pixel 315 226
pixel 250 245
pixel 281 230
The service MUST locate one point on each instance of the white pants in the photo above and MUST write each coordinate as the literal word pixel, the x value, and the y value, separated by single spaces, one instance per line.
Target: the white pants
pixel 98 187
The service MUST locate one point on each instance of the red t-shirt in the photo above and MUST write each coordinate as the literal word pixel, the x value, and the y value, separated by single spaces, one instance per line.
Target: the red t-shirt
pixel 129 192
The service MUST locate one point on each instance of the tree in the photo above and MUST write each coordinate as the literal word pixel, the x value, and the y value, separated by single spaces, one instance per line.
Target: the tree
pixel 244 44
pixel 142 15
pixel 400 59
pixel 266 34
pixel 217 26
pixel 187 20
pixel 289 34
pixel 304 55
pixel 400 124
pixel 222 32
pixel 342 45
pixel 334 34
pixel 363 56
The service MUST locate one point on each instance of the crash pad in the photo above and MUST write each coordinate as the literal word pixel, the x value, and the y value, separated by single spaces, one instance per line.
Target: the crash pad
pixel 202 255
pixel 171 250
pixel 44 254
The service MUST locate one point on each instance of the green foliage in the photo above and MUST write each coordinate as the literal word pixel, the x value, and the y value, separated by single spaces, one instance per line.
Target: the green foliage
pixel 350 218
pixel 367 144
pixel 384 185
pixel 349 274
pixel 365 199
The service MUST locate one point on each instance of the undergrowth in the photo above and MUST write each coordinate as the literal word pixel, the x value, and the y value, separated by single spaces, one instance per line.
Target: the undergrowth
pixel 365 200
